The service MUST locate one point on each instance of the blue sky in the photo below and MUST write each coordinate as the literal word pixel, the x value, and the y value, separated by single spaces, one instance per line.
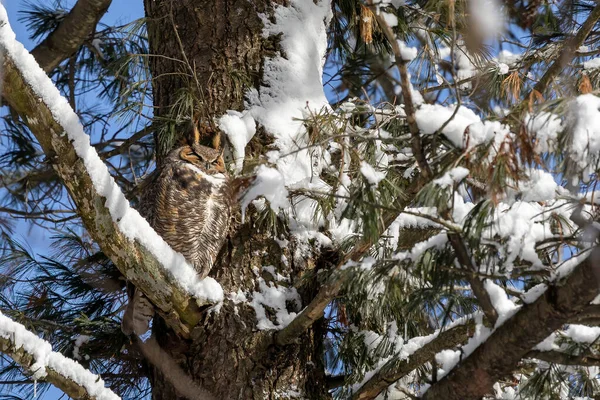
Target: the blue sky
pixel 119 12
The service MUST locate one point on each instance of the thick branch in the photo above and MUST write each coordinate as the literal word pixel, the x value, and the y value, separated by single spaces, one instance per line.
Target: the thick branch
pixel 72 381
pixel 395 369
pixel 133 260
pixel 499 355
pixel 589 316
pixel 74 29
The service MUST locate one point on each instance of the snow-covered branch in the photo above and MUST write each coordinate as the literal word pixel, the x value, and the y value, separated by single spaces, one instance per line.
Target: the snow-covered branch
pixel 498 356
pixel 122 234
pixel 328 291
pixel 36 357
pixel 400 366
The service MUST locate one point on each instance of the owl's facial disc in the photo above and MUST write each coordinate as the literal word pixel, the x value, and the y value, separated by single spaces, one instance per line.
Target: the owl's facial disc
pixel 207 159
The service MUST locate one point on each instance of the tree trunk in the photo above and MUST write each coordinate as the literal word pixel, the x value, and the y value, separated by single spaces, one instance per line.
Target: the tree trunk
pixel 215 50
pixel 209 50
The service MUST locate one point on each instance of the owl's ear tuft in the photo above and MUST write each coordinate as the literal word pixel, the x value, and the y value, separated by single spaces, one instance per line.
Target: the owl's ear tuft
pixel 188 154
pixel 192 133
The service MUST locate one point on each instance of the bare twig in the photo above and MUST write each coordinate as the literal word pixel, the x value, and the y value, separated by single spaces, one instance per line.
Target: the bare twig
pixel 482 296
pixel 409 106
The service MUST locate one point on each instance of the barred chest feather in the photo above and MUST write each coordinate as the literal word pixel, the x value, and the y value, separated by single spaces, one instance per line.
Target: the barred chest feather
pixel 192 212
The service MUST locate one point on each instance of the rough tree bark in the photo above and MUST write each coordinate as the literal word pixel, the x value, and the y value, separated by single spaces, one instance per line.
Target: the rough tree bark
pixel 216 49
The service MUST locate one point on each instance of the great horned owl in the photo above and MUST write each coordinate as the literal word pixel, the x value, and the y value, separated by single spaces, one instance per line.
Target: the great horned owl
pixel 188 202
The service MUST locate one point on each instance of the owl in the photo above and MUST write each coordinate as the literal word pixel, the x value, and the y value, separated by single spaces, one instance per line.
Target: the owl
pixel 189 203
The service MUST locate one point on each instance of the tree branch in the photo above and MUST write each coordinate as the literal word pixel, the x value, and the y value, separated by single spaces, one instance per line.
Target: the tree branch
pixel 34 355
pixel 134 261
pixel 589 316
pixel 127 143
pixel 395 369
pixel 566 55
pixel 481 294
pixel 587 359
pixel 499 355
pixel 332 287
pixel 74 29
pixel 409 107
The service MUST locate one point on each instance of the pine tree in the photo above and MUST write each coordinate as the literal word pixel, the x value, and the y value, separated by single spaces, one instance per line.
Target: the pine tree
pixel 427 232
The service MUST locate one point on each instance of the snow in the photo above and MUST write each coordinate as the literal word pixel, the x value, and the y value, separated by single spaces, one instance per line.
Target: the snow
pixel 411 218
pixel 504 393
pixel 437 241
pixel 389 18
pixel 508 57
pixel 97 44
pixel 276 298
pixel 503 68
pixel 540 186
pixel 584 120
pixel 546 127
pixel 451 357
pixel 293 87
pixel 502 304
pixel 450 178
pixel 270 184
pixel 44 358
pixel 80 340
pixel 407 53
pixel 488 17
pixel 371 175
pixel 523 224
pixel 395 3
pixel 402 349
pixel 292 92
pixel 417 97
pixel 130 222
pixel 578 333
pixel 583 333
pixel 239 128
pixel 431 117
pixel 464 67
pixel 568 266
pixel 592 64
pixel 534 293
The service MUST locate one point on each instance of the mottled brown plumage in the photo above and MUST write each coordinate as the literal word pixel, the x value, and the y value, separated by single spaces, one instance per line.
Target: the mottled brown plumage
pixel 188 202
